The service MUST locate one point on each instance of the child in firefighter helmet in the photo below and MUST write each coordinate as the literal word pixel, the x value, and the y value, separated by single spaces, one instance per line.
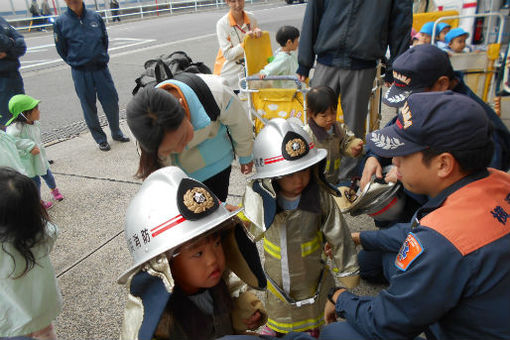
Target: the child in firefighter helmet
pixel 290 204
pixel 184 243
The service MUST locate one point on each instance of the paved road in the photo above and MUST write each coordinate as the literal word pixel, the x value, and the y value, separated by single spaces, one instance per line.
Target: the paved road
pixel 48 78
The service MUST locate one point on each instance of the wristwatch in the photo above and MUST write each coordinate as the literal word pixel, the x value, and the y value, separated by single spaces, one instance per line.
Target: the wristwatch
pixel 332 292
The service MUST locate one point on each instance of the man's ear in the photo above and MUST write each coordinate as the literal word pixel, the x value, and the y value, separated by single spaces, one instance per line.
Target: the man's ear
pixel 441 84
pixel 445 164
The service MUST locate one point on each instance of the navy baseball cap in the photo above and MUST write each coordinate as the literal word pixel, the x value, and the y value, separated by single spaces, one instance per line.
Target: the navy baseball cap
pixel 415 70
pixel 443 121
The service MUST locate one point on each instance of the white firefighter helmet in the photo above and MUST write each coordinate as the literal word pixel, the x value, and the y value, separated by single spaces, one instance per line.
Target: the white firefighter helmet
pixel 169 210
pixel 380 200
pixel 282 147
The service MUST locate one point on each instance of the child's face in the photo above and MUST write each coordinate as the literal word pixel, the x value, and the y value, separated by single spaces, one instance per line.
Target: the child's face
pixel 443 33
pixel 293 185
pixel 458 44
pixel 199 265
pixel 325 119
pixel 424 38
pixel 34 115
pixel 293 45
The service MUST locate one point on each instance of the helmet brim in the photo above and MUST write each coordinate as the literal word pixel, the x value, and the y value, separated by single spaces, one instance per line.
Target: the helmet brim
pixel 291 168
pixel 205 228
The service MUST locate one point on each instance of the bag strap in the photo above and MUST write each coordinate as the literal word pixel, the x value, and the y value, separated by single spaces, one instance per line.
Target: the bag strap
pixel 202 91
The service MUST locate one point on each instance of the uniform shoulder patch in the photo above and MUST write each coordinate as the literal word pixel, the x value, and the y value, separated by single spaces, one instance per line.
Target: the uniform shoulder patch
pixel 411 249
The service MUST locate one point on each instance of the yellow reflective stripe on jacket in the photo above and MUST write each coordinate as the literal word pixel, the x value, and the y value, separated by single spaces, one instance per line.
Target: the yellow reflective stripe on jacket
pixel 300 326
pixel 308 248
pixel 272 249
pixel 275 291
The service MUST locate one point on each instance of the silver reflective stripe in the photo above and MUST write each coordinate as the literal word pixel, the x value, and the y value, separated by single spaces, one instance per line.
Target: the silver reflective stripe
pixel 285 259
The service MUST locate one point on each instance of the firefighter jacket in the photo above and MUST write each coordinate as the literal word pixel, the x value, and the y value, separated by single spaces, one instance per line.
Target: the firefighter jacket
pixel 451 273
pixel 156 308
pixel 338 145
pixel 298 278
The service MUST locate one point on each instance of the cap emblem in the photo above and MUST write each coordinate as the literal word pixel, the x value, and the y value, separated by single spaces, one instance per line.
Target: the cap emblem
pixel 385 142
pixel 399 76
pixel 195 200
pixel 198 200
pixel 294 146
pixel 407 115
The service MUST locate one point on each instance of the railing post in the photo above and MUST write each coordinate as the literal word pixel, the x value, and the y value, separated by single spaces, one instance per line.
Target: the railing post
pixel 141 11
pixel 196 5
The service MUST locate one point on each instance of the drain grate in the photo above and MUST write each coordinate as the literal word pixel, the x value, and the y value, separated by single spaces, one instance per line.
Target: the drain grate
pixel 73 130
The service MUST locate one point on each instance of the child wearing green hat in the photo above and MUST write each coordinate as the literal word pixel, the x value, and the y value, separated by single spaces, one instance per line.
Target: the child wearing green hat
pixel 24 127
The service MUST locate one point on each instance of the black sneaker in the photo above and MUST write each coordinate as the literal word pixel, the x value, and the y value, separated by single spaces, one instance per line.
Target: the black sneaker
pixel 122 139
pixel 104 146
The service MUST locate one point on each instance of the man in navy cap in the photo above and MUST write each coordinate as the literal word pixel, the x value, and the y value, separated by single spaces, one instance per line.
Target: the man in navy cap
pixel 426 68
pixel 451 273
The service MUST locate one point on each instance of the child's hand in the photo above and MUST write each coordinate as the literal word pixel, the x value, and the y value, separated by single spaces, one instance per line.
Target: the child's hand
pixel 35 151
pixel 357 148
pixel 231 207
pixel 3 55
pixel 262 76
pixel 327 250
pixel 253 321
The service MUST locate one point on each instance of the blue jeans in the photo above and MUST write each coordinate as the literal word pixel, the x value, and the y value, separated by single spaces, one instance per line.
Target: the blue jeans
pixel 89 83
pixel 48 178
pixel 9 86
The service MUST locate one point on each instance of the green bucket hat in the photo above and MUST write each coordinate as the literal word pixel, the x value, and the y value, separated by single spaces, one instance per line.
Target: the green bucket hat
pixel 20 103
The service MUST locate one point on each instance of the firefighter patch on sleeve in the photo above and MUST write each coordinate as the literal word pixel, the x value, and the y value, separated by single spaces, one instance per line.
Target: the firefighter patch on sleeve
pixel 411 249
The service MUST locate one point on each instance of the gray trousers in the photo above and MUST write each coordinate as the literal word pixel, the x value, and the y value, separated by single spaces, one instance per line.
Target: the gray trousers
pixel 354 88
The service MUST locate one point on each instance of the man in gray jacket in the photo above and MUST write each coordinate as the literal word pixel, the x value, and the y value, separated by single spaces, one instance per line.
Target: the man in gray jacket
pixel 348 37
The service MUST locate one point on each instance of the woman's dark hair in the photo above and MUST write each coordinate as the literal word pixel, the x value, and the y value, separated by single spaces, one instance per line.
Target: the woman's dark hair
pixel 321 98
pixel 22 217
pixel 286 33
pixel 150 114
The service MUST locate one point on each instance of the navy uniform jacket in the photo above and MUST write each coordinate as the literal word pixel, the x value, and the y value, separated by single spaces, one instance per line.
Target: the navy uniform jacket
pixel 82 41
pixel 453 274
pixel 12 43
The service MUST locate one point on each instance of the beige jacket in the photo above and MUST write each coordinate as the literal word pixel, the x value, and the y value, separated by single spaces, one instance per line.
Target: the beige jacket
pixel 231 52
pixel 338 145
pixel 293 249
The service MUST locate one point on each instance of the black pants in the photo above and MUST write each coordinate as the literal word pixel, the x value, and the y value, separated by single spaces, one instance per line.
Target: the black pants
pixel 219 184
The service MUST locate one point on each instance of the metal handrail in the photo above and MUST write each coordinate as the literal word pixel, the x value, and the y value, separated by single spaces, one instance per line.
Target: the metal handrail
pixel 479 15
pixel 138 11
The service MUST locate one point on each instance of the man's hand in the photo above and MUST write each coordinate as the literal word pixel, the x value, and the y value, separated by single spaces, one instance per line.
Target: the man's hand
pixel 372 167
pixel 391 176
pixel 301 78
pixel 246 168
pixel 356 238
pixel 329 308
pixel 3 55
pixel 253 321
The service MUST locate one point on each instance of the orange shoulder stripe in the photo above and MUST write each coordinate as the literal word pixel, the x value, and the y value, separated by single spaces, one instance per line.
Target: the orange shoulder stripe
pixel 474 215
